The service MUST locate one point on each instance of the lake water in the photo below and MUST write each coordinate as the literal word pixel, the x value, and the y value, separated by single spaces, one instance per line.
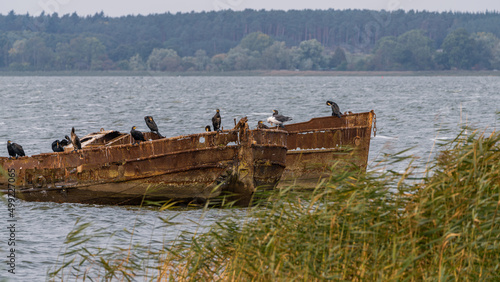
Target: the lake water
pixel 412 112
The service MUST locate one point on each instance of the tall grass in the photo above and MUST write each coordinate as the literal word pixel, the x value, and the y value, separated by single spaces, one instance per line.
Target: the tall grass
pixel 370 227
pixel 357 226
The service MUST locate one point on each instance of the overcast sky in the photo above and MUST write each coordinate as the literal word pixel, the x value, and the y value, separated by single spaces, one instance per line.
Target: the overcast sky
pixel 126 7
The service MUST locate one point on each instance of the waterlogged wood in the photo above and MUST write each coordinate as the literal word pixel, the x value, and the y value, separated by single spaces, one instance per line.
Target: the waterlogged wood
pixel 111 170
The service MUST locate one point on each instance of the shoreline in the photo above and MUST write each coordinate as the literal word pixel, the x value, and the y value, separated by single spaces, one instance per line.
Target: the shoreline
pixel 252 73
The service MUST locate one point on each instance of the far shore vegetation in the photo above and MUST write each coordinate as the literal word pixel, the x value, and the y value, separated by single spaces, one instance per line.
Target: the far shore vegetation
pixel 276 73
pixel 267 41
pixel 442 224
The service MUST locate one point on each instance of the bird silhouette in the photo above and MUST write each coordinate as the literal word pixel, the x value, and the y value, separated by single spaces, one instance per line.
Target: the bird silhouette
pixel 335 108
pixel 137 135
pixel 15 150
pixel 77 145
pixel 261 125
pixel 216 120
pixel 57 146
pixel 152 125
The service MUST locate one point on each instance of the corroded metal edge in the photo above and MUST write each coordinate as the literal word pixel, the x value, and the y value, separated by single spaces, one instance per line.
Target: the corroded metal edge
pixel 193 166
pixel 323 144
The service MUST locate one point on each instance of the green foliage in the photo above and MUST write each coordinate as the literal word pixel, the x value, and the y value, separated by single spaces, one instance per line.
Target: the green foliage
pixel 338 59
pixel 410 51
pixel 256 41
pixel 311 54
pixel 164 60
pixel 136 63
pixel 415 50
pixel 384 58
pixel 201 60
pixel 277 57
pixel 98 42
pixel 489 50
pixel 218 62
pixel 460 50
pixel 81 53
pixel 239 58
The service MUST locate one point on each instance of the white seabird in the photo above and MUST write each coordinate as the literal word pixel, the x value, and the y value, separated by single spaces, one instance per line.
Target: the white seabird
pixel 278 119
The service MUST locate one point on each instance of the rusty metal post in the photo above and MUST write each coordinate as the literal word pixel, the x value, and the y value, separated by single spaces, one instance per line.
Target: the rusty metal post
pixel 244 186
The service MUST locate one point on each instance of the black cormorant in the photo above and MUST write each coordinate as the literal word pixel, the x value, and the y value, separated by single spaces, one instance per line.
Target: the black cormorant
pixel 152 125
pixel 64 142
pixel 57 146
pixel 207 128
pixel 335 108
pixel 77 145
pixel 15 150
pixel 137 135
pixel 278 119
pixel 261 125
pixel 216 120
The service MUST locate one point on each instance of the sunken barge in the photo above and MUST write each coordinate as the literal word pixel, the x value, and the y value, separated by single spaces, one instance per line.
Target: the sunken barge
pixel 111 170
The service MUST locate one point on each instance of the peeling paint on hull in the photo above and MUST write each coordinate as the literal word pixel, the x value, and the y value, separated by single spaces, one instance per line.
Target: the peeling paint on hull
pixel 110 170
pixel 317 146
pixel 113 171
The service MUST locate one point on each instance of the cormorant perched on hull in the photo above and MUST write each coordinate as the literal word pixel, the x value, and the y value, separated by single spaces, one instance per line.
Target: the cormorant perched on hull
pixel 77 145
pixel 335 108
pixel 207 128
pixel 152 125
pixel 261 125
pixel 64 142
pixel 216 121
pixel 15 150
pixel 278 119
pixel 67 139
pixel 57 146
pixel 137 135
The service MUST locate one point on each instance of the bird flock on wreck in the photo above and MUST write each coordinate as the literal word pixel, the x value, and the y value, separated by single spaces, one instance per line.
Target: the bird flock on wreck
pixel 15 150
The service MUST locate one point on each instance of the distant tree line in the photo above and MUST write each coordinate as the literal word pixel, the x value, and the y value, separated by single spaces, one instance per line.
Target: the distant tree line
pixel 249 40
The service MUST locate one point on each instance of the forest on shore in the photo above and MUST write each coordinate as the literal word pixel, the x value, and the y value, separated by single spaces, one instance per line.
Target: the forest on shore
pixel 217 41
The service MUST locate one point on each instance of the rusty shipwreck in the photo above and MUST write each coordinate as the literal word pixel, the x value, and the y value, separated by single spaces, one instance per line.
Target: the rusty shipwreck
pixel 317 146
pixel 111 170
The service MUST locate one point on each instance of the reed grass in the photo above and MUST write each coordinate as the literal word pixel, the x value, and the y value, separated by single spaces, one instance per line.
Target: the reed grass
pixel 357 226
pixel 365 227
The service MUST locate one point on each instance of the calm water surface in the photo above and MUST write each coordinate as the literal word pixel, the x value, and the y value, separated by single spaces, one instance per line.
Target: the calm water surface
pixel 412 112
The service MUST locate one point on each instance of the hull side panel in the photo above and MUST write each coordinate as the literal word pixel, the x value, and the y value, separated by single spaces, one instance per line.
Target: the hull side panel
pixel 186 167
pixel 322 144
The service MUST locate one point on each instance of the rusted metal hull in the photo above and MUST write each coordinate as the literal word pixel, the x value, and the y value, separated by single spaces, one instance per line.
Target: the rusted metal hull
pixel 198 166
pixel 317 146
